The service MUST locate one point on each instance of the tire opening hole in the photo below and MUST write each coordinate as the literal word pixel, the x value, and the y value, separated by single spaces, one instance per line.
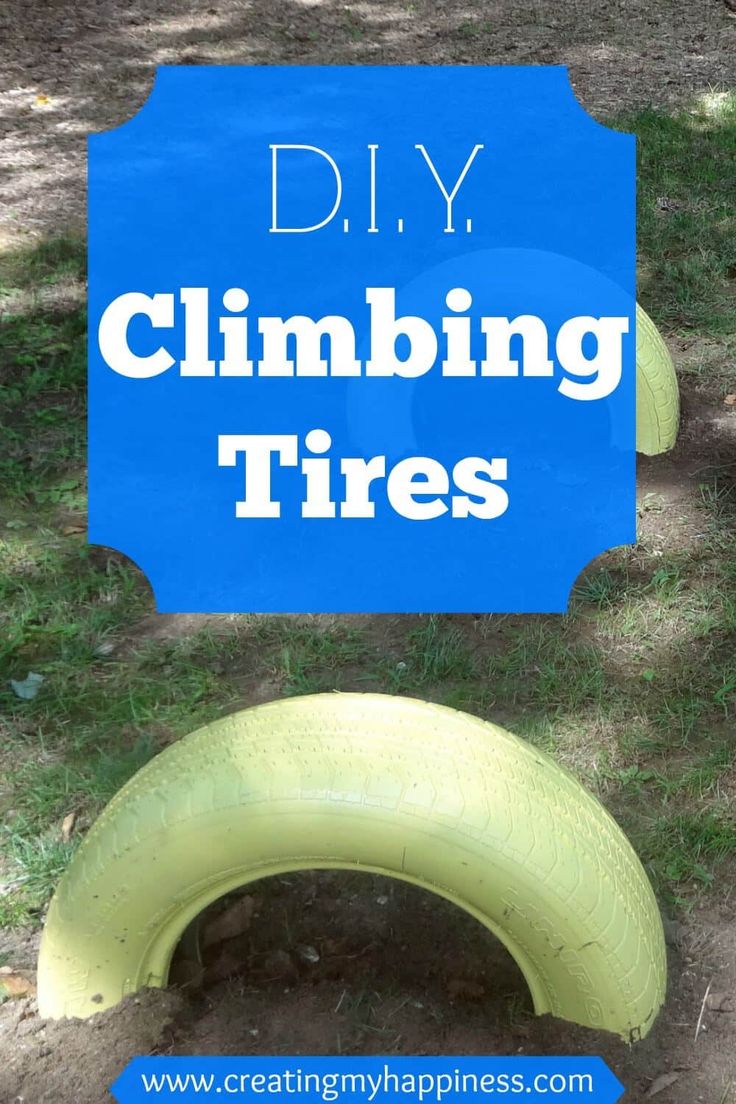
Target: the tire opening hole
pixel 345 962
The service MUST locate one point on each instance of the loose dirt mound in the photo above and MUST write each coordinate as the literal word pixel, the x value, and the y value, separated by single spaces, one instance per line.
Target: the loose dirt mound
pixel 354 964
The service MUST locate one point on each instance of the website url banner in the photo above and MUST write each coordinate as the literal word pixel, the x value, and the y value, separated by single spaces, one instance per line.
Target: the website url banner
pixel 375 1080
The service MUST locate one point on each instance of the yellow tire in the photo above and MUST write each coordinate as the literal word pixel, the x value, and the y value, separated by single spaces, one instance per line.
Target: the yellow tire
pixel 657 393
pixel 368 782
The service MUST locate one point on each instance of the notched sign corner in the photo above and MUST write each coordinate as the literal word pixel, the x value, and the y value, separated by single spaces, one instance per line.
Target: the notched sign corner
pixel 102 547
pixel 141 115
pixel 624 540
pixel 572 99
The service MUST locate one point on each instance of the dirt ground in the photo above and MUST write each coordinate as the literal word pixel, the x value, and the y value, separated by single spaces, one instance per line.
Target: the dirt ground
pixel 72 69
pixel 329 963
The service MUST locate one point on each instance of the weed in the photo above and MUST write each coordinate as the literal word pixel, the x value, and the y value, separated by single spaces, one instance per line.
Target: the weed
pixel 598 588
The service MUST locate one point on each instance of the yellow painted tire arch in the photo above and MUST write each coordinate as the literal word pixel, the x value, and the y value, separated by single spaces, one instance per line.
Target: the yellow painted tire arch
pixel 365 782
pixel 657 393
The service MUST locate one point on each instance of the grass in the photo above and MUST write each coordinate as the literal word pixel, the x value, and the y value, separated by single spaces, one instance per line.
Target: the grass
pixel 309 658
pixel 432 653
pixel 686 215
pixel 634 689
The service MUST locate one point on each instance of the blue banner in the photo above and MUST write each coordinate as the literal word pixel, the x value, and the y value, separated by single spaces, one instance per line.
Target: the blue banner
pixel 362 339
pixel 374 1080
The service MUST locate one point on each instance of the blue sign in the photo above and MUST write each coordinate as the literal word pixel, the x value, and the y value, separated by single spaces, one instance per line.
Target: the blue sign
pixel 375 1080
pixel 362 339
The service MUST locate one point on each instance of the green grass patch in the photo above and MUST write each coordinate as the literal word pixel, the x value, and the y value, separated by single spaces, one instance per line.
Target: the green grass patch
pixel 42 380
pixel 684 849
pixel 433 652
pixel 687 218
pixel 309 658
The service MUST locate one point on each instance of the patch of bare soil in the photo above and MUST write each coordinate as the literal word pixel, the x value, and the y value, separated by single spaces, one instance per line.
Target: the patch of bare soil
pixel 327 963
pixel 72 69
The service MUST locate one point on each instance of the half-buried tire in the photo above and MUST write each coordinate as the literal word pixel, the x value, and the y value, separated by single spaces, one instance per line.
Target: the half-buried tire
pixel 362 782
pixel 657 393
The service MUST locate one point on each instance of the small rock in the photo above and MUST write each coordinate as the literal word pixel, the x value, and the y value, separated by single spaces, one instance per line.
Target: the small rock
pixel 308 953
pixel 660 1083
pixel 279 965
pixel 229 924
pixel 720 1002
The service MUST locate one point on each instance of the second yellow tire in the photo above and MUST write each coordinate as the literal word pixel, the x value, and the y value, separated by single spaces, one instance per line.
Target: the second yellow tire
pixel 657 393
